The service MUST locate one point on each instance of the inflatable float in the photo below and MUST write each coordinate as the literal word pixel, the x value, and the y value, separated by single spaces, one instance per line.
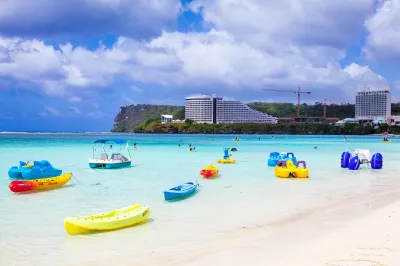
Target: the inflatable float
pixel 227 158
pixel 286 169
pixel 39 184
pixel 35 170
pixel 111 220
pixel 209 171
pixel 275 157
pixel 359 157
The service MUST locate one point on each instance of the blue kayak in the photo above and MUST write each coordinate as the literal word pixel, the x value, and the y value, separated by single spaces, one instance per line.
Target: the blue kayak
pixel 180 191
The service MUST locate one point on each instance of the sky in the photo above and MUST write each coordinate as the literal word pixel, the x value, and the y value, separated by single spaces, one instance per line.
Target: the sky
pixel 69 65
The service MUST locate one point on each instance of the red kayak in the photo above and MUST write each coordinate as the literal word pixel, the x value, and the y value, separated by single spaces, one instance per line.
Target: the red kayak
pixel 21 186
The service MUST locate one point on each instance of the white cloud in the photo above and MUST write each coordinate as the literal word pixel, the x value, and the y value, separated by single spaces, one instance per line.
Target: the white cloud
pixel 135 88
pixel 140 18
pixel 74 110
pixel 75 99
pixel 49 111
pixel 253 44
pixel 270 24
pixel 384 32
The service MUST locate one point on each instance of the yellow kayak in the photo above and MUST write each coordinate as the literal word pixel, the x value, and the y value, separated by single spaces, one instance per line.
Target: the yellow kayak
pixel 386 140
pixel 115 219
pixel 38 184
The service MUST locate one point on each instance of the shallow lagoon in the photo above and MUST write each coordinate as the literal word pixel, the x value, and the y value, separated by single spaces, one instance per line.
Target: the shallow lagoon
pixel 246 193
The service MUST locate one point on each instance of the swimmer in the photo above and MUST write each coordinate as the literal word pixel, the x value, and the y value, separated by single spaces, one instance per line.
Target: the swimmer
pixel 134 145
pixel 179 145
pixel 315 148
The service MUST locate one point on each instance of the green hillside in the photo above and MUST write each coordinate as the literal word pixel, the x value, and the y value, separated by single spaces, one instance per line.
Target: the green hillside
pixel 317 110
pixel 129 117
pixel 133 116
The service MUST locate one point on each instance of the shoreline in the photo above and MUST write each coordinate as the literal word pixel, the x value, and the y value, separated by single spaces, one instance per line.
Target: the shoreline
pixel 357 231
pixel 357 234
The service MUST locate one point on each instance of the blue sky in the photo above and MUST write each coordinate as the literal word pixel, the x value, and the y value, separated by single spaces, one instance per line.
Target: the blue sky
pixel 70 65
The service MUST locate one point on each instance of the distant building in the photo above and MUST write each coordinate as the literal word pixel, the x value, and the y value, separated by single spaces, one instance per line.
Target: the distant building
pixel 166 118
pixel 347 121
pixel 214 109
pixel 373 104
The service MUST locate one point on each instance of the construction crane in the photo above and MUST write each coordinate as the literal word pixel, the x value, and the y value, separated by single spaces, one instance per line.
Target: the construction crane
pixel 293 91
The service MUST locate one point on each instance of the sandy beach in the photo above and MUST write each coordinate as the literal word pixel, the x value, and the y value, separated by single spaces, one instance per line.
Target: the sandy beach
pixel 362 232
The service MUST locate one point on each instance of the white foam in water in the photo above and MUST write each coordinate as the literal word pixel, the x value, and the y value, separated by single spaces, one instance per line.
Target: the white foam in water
pixel 244 196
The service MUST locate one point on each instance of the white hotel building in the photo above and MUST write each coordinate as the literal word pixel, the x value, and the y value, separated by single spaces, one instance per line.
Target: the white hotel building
pixel 214 109
pixel 373 104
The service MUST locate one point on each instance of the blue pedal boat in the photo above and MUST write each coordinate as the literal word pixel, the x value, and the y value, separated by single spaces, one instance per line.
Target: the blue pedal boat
pixel 116 160
pixel 275 157
pixel 28 171
pixel 180 191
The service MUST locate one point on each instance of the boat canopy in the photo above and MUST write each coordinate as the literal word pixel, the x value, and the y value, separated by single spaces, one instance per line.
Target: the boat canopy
pixel 118 141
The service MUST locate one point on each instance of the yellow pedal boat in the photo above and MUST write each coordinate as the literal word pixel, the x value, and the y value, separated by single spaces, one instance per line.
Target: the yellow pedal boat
pixel 115 219
pixel 288 169
pixel 228 160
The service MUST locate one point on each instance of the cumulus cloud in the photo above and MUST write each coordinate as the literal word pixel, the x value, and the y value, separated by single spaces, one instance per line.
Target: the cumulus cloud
pixel 74 110
pixel 253 44
pixel 49 111
pixel 267 24
pixel 47 18
pixel 384 32
pixel 75 99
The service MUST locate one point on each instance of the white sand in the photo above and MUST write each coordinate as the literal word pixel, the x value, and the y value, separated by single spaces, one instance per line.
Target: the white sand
pixel 331 238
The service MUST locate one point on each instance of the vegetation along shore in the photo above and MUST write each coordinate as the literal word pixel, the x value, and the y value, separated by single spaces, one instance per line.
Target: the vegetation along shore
pixel 146 118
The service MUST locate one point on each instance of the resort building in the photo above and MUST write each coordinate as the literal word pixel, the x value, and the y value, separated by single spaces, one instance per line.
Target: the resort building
pixel 347 121
pixel 373 104
pixel 214 109
pixel 166 119
pixel 169 119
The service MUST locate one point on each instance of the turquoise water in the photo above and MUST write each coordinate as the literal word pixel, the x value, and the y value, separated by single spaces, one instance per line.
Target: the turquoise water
pixel 245 194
